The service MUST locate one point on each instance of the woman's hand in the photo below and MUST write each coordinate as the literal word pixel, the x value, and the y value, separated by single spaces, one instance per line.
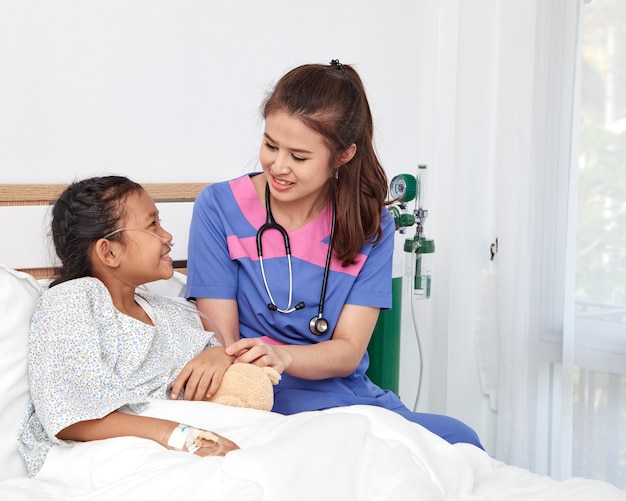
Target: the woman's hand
pixel 257 352
pixel 202 375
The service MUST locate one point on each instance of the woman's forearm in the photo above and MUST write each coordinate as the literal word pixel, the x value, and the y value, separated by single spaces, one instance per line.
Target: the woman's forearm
pixel 220 315
pixel 339 356
pixel 333 358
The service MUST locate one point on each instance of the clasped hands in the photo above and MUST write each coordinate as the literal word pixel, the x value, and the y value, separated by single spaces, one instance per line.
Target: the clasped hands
pixel 201 376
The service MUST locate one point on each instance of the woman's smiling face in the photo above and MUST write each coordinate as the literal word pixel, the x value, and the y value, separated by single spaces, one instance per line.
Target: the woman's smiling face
pixel 295 158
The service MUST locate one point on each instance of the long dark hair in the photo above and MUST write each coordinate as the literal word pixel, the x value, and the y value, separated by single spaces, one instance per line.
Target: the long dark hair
pixel 85 212
pixel 331 100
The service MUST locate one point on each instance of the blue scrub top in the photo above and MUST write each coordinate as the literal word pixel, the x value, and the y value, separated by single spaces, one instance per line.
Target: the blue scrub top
pixel 224 264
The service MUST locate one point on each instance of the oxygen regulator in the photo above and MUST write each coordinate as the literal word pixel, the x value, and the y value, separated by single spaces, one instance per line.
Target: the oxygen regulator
pixel 405 188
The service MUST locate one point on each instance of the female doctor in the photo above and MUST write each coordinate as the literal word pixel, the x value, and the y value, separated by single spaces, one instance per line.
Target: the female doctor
pixel 293 264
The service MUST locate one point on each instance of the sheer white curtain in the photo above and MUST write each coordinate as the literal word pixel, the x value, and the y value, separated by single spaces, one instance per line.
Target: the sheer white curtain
pixel 522 94
pixel 506 167
pixel 560 391
pixel 534 145
pixel 494 185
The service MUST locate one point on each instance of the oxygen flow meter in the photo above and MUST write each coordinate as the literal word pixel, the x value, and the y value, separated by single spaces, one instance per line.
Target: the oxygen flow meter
pixel 404 188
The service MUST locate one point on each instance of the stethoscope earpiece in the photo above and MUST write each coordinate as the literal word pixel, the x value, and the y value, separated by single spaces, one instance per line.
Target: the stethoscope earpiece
pixel 317 325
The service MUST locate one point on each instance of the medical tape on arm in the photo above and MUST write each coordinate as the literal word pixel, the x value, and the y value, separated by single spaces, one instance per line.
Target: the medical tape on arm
pixel 185 436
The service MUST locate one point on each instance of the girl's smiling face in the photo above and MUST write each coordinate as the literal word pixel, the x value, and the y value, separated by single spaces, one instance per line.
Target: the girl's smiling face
pixel 145 253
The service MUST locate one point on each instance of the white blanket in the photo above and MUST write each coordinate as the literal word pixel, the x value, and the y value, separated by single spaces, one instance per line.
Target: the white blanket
pixel 351 453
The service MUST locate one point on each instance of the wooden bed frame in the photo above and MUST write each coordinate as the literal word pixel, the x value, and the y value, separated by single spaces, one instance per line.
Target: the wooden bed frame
pixel 22 195
pixel 46 194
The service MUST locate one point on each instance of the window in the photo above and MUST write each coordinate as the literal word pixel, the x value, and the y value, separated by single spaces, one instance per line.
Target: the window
pixel 599 413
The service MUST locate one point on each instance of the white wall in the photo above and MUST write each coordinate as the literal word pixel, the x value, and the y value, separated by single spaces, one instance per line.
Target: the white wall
pixel 169 91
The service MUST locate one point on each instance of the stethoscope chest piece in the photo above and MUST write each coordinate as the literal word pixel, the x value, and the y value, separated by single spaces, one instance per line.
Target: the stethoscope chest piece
pixel 318 326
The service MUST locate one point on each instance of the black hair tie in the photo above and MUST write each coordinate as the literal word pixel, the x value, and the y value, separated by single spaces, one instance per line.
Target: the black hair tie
pixel 335 62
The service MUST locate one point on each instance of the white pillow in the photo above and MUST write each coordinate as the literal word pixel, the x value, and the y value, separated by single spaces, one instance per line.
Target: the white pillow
pixel 19 293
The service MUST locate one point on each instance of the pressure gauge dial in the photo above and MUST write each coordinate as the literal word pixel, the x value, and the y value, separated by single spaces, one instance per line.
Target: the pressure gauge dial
pixel 403 187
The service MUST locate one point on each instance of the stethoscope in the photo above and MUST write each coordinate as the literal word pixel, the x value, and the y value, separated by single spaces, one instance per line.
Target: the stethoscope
pixel 318 325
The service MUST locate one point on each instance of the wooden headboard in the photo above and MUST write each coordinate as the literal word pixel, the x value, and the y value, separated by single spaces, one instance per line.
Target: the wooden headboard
pixel 24 212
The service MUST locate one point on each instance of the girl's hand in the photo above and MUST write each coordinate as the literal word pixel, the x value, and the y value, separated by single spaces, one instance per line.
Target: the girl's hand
pixel 202 375
pixel 255 351
pixel 227 446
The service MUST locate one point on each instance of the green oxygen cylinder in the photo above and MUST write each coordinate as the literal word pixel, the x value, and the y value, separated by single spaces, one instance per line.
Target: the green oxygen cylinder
pixel 384 346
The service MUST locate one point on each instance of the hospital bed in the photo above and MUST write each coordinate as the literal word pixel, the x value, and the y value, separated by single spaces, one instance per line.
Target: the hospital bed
pixel 350 453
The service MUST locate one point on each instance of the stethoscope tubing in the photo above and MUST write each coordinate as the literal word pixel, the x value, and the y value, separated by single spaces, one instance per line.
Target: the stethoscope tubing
pixel 318 325
pixel 320 309
pixel 272 305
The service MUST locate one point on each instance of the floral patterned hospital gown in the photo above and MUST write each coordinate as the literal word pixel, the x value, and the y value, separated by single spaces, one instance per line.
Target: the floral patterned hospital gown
pixel 87 359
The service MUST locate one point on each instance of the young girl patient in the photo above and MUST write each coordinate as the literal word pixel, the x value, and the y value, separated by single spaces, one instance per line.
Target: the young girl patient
pixel 96 345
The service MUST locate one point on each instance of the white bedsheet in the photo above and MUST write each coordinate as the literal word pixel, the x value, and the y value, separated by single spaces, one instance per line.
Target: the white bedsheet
pixel 351 453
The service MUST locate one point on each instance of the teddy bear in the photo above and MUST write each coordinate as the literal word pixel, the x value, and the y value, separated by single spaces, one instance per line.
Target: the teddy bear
pixel 247 385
